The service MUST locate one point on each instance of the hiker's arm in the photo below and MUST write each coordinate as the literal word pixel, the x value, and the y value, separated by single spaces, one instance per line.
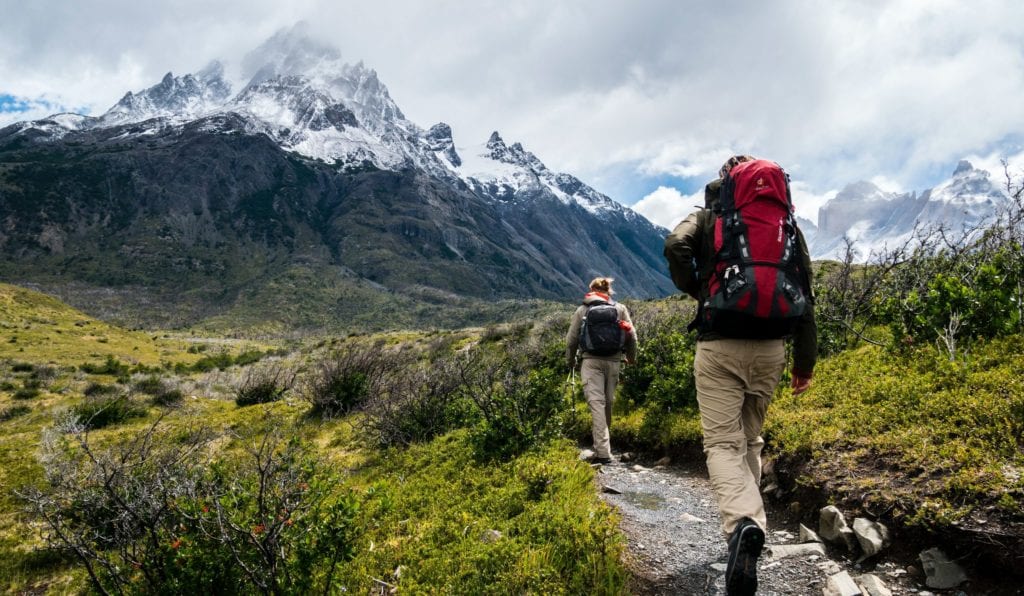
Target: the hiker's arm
pixel 805 336
pixel 680 250
pixel 632 344
pixel 572 338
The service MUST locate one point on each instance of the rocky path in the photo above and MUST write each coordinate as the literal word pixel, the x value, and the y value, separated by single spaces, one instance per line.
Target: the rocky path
pixel 676 547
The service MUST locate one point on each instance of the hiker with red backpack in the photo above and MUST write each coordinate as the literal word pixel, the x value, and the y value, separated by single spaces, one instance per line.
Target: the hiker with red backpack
pixel 746 263
pixel 600 335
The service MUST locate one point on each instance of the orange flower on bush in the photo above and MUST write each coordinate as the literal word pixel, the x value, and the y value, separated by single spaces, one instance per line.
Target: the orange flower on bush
pixel 258 529
pixel 176 544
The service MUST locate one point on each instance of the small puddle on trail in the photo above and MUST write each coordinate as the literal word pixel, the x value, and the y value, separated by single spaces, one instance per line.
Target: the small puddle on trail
pixel 648 501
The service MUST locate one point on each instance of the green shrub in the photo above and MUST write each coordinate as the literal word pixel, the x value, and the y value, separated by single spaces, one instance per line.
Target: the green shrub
pixel 27 393
pixel 111 366
pixel 156 515
pixel 150 385
pixel 106 410
pixel 96 389
pixel 417 403
pixel 264 385
pixel 22 367
pixel 13 412
pixel 343 380
pixel 167 397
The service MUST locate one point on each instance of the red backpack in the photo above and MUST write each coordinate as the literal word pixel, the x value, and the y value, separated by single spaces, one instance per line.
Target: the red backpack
pixel 756 285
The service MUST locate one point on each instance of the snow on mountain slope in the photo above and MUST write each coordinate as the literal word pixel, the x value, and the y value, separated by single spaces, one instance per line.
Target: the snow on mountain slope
pixel 877 220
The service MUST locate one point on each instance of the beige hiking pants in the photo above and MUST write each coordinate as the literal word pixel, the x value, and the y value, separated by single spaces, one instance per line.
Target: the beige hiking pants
pixel 599 378
pixel 735 382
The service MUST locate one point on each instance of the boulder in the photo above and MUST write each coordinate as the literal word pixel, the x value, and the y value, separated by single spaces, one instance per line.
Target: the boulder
pixel 781 551
pixel 832 527
pixel 808 535
pixel 940 572
pixel 872 585
pixel 841 584
pixel 873 537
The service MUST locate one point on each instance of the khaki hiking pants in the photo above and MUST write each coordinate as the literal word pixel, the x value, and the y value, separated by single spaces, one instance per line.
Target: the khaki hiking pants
pixel 735 382
pixel 599 378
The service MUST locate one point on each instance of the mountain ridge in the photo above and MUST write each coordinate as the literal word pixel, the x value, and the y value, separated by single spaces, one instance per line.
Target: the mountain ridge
pixel 188 185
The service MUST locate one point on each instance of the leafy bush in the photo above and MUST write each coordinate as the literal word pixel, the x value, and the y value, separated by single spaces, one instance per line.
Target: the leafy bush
pixel 111 366
pixel 344 380
pixel 662 377
pixel 22 367
pixel 150 385
pixel 418 403
pixel 105 410
pixel 27 393
pixel 168 397
pixel 519 394
pixel 94 389
pixel 264 385
pixel 157 515
pixel 13 412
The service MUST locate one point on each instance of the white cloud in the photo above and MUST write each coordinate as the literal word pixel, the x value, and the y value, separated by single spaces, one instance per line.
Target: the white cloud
pixel 666 206
pixel 836 92
pixel 806 202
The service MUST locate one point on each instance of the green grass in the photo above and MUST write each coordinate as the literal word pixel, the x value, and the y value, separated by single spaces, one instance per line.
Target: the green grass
pixel 942 439
pixel 454 525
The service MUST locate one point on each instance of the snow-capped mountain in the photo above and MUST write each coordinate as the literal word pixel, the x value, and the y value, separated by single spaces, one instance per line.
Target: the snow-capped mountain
pixel 304 96
pixel 221 188
pixel 877 220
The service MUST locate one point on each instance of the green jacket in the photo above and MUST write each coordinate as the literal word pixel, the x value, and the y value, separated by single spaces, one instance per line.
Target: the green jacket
pixel 689 248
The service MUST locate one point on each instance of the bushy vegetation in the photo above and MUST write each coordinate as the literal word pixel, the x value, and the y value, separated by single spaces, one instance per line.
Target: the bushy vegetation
pixel 155 514
pixel 265 384
pixel 99 411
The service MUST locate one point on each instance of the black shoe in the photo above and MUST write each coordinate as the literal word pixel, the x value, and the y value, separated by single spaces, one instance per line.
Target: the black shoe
pixel 745 546
pixel 602 460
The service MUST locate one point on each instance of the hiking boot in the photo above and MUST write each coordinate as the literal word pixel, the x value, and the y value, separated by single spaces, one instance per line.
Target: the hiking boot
pixel 745 546
pixel 602 460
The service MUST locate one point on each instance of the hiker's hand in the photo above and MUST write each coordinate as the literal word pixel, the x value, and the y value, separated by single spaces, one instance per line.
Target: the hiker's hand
pixel 800 384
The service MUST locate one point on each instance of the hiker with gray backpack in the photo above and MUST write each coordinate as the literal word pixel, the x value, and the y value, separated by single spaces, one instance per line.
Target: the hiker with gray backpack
pixel 600 335
pixel 746 263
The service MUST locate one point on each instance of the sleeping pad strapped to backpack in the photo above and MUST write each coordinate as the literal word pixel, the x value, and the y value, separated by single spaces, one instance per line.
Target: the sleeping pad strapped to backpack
pixel 756 288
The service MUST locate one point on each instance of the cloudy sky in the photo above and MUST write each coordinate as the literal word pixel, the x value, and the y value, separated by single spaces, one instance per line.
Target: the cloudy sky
pixel 643 100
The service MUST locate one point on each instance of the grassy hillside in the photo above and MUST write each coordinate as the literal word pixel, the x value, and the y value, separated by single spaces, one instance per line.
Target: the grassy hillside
pixel 459 500
pixel 37 328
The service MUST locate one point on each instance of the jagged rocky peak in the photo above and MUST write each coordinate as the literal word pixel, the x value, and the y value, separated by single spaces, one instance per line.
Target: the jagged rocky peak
pixel 514 155
pixel 187 96
pixel 963 167
pixel 862 191
pixel 291 101
pixel 439 139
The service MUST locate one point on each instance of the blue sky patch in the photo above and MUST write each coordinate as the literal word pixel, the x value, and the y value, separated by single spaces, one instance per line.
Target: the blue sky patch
pixel 9 104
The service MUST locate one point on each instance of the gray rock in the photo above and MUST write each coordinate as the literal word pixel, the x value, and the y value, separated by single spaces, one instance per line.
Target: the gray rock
pixel 809 535
pixel 611 490
pixel 873 537
pixel 841 584
pixel 872 585
pixel 686 517
pixel 663 461
pixel 491 536
pixel 832 527
pixel 781 551
pixel 586 454
pixel 940 572
pixel 719 567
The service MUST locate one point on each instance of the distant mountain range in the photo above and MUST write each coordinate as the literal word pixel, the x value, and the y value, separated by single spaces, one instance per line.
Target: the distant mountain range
pixel 303 198
pixel 877 220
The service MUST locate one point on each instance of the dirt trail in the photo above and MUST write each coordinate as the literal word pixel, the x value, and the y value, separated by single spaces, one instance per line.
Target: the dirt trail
pixel 676 546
